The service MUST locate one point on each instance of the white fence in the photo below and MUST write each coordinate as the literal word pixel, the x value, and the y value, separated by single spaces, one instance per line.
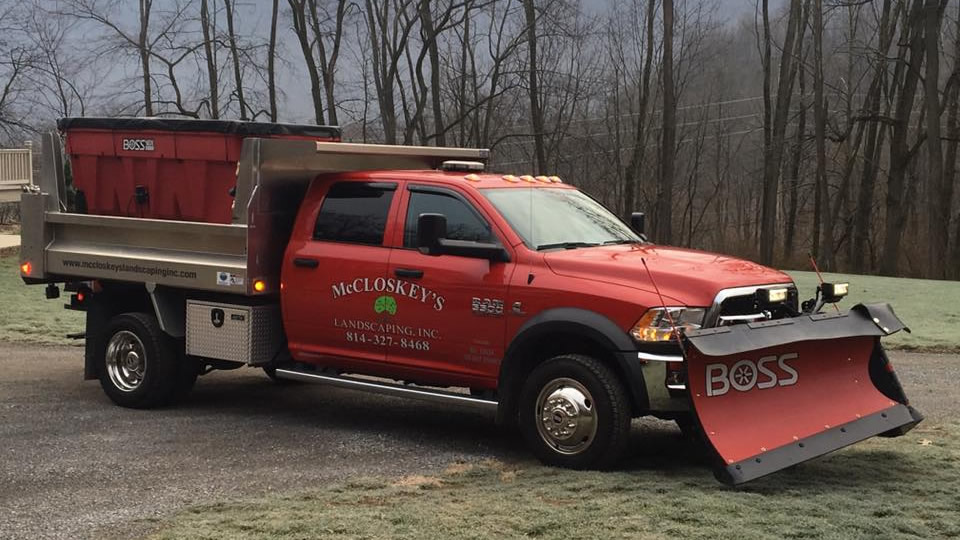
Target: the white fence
pixel 16 169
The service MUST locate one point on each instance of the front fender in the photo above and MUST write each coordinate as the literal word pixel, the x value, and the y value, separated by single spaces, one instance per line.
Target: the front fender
pixel 591 327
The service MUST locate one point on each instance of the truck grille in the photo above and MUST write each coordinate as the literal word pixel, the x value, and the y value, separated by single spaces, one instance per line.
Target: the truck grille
pixel 742 308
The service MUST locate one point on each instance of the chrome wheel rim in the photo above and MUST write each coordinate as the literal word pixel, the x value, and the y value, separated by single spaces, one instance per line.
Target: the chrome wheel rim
pixel 566 416
pixel 126 361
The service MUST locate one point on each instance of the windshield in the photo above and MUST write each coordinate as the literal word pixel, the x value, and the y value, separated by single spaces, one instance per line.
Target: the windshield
pixel 548 218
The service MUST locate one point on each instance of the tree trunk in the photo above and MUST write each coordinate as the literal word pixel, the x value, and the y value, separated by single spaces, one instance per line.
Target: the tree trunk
pixel 950 154
pixel 900 152
pixel 871 154
pixel 328 66
pixel 211 59
pixel 237 76
pixel 664 230
pixel 143 45
pixel 938 215
pixel 774 153
pixel 632 174
pixel 536 114
pixel 794 191
pixel 299 9
pixel 271 62
pixel 426 22
pixel 820 126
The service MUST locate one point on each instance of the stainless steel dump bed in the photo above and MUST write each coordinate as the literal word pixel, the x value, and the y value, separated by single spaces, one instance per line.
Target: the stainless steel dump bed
pixel 272 177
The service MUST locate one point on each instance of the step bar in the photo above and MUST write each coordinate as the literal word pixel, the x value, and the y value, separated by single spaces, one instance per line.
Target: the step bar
pixel 390 389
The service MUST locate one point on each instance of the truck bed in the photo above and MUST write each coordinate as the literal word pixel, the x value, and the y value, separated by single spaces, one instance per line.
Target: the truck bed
pixel 272 177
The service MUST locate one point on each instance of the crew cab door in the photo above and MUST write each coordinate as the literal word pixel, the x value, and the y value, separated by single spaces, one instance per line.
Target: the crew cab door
pixel 450 310
pixel 335 270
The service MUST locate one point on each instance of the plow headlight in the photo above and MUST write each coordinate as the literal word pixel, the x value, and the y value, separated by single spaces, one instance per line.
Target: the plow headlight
pixel 834 292
pixel 655 324
pixel 773 296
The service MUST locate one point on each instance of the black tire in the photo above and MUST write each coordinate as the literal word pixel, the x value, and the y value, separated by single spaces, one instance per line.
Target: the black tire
pixel 162 375
pixel 605 406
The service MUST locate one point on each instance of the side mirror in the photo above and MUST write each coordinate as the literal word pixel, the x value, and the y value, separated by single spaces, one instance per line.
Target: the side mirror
pixel 431 228
pixel 432 240
pixel 638 222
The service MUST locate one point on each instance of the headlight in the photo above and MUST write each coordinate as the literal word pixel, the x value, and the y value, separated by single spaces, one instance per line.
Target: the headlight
pixel 655 325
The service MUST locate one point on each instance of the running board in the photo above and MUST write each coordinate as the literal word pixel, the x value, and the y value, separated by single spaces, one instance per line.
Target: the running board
pixel 390 389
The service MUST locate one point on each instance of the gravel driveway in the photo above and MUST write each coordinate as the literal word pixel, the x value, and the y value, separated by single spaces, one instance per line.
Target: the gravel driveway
pixel 73 465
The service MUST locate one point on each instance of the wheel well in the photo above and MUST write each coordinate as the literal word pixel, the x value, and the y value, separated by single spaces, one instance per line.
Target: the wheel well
pixel 114 299
pixel 525 357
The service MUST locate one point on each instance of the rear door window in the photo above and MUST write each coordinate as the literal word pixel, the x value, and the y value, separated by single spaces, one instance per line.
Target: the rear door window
pixel 355 213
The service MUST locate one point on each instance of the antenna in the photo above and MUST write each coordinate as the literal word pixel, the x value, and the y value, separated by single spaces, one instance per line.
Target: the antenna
pixel 676 331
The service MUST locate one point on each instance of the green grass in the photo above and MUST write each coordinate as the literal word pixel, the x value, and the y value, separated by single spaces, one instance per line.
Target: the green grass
pixel 882 488
pixel 25 313
pixel 930 308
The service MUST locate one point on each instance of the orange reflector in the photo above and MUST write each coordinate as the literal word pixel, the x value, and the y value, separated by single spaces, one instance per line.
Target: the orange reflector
pixel 26 268
pixel 556 180
pixel 528 178
pixel 511 178
pixel 544 179
pixel 472 177
pixel 259 285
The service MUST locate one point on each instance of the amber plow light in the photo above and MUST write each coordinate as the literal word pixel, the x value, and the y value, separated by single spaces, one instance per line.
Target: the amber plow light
pixel 259 285
pixel 26 268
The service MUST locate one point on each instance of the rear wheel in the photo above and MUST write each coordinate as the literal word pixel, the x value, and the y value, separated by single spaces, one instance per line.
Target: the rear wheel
pixel 574 412
pixel 138 364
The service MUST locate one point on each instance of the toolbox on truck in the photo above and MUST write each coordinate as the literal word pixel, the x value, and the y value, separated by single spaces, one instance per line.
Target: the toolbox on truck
pixel 165 168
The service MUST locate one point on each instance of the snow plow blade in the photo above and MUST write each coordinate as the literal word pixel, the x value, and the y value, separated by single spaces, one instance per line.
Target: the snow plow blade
pixel 772 394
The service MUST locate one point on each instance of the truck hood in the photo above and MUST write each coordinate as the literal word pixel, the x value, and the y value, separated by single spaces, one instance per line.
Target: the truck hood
pixel 684 276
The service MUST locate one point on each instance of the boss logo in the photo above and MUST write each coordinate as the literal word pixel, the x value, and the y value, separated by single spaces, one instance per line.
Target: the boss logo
pixel 768 372
pixel 138 145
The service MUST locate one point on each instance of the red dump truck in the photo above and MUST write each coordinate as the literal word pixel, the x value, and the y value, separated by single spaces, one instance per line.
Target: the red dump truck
pixel 410 271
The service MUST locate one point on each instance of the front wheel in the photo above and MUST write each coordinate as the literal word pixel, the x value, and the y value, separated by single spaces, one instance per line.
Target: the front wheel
pixel 575 413
pixel 138 363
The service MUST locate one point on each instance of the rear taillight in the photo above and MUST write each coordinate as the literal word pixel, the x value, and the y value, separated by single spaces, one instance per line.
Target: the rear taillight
pixel 26 268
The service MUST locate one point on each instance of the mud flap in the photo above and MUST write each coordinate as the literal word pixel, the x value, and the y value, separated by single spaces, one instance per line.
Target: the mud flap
pixel 773 394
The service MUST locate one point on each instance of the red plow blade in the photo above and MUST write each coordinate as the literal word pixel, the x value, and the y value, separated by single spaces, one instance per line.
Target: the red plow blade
pixel 773 394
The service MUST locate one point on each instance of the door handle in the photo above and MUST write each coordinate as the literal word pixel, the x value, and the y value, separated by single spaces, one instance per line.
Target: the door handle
pixel 408 273
pixel 306 262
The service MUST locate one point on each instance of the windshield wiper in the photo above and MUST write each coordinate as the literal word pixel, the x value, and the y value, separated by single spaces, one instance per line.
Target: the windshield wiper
pixel 620 241
pixel 566 245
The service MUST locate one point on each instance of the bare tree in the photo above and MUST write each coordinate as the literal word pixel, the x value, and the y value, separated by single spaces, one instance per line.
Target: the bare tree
pixel 536 113
pixel 876 132
pixel 235 56
pixel 209 31
pixel 952 143
pixel 272 61
pixel 634 166
pixel 138 40
pixel 938 215
pixel 905 80
pixel 669 132
pixel 774 152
